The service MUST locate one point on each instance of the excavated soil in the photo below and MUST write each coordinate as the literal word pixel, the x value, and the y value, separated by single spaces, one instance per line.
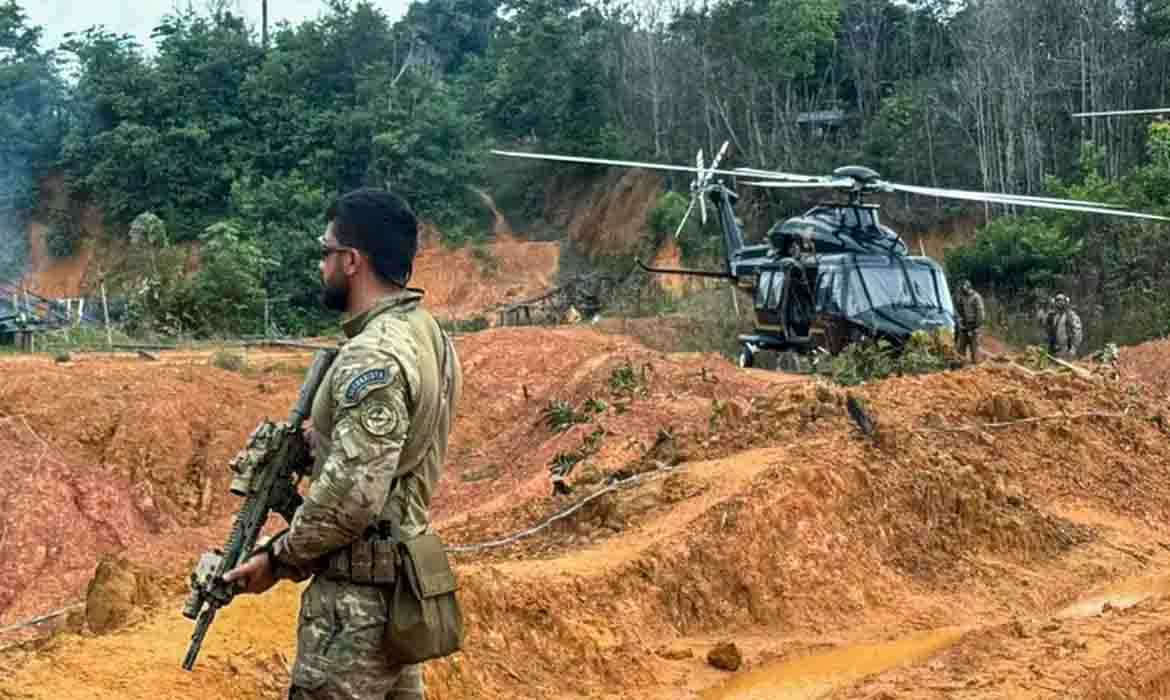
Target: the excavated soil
pixel 993 534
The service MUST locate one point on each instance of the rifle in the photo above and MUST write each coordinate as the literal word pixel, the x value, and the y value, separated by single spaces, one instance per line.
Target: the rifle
pixel 264 476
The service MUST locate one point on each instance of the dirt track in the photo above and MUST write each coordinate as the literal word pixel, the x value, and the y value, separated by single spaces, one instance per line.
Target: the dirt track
pixel 967 551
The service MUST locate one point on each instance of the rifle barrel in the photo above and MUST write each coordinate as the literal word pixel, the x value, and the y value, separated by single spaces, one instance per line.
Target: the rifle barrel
pixel 197 636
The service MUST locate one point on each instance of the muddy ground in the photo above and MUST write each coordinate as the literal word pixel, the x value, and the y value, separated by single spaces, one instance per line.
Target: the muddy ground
pixel 1000 535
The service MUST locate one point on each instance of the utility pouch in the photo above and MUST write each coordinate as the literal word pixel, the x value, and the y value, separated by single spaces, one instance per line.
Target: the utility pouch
pixel 361 561
pixel 425 620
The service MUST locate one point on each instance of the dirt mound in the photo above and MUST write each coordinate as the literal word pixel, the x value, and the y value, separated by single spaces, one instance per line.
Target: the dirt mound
pixel 464 282
pixel 1148 363
pixel 607 216
pixel 753 510
pixel 569 393
pixel 105 456
pixel 116 593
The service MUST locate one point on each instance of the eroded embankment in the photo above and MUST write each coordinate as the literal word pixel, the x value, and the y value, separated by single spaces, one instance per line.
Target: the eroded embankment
pixel 984 492
pixel 114 456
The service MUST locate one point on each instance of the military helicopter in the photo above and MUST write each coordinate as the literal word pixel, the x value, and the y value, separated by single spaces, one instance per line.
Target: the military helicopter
pixel 833 275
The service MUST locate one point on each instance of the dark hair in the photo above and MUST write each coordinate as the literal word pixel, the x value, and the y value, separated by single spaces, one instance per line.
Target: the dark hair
pixel 380 224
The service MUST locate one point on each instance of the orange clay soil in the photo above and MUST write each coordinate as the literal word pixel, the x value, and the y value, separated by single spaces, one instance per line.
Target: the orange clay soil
pixel 967 549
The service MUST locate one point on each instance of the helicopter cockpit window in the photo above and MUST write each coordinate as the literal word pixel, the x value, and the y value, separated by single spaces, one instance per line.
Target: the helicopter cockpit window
pixel 915 287
pixel 776 290
pixel 852 217
pixel 829 291
pixel 762 287
pixel 928 291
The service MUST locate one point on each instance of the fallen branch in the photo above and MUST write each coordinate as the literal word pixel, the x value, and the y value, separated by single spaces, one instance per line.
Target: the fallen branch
pixel 40 618
pixel 1079 371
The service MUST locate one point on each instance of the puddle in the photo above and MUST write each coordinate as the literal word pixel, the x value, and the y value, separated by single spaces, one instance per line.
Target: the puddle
pixel 813 675
pixel 1122 595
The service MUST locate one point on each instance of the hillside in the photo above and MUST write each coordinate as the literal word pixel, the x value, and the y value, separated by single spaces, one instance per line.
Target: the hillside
pixel 1000 539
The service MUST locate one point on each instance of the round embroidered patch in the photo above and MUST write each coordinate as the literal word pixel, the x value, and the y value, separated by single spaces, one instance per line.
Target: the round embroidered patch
pixel 378 419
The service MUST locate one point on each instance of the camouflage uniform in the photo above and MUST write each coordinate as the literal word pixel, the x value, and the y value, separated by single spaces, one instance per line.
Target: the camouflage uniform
pixel 378 462
pixel 969 319
pixel 1064 330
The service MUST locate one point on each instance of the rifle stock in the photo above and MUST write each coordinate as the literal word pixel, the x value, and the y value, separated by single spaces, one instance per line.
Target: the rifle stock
pixel 265 476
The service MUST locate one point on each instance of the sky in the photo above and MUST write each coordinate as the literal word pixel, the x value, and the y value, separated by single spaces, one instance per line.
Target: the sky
pixel 139 17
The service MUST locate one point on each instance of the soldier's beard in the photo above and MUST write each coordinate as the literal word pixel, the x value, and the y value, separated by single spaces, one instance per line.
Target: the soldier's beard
pixel 335 297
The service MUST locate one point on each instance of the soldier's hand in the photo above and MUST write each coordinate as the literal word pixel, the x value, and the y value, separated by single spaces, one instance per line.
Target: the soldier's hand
pixel 256 573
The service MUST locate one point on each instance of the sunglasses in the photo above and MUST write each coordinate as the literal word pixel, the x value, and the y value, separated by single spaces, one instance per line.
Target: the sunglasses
pixel 327 250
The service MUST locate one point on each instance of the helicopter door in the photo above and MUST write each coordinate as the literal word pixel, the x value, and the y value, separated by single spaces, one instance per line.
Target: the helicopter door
pixel 769 298
pixel 799 306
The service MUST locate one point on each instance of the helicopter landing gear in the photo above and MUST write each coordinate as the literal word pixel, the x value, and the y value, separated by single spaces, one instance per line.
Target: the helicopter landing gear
pixel 747 355
pixel 788 362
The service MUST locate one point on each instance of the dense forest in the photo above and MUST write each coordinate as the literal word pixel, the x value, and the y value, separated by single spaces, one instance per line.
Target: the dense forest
pixel 238 139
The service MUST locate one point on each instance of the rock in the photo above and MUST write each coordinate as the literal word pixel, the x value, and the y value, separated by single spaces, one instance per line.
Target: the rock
pixel 725 656
pixel 488 472
pixel 675 653
pixel 735 410
pixel 116 591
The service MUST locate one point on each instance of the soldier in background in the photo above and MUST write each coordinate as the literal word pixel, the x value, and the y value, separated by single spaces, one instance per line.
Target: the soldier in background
pixel 1064 329
pixel 969 320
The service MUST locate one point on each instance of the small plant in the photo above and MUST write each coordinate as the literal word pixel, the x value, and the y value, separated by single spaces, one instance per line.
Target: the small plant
pixel 489 264
pixel 718 411
pixel 466 325
pixel 594 406
pixel 563 462
pixel 61 356
pixel 559 415
pixel 624 380
pixel 227 360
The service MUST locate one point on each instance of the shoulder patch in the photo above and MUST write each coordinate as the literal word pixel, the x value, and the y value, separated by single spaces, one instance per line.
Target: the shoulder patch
pixel 366 380
pixel 379 419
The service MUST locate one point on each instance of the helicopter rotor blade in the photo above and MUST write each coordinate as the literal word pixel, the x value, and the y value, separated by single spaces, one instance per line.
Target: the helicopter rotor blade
pixel 1118 112
pixel 757 172
pixel 683 222
pixel 716 161
pixel 606 161
pixel 1022 198
pixel 699 189
pixel 838 185
pixel 999 199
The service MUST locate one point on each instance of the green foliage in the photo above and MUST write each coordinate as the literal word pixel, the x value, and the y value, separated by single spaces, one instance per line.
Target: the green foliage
pixel 225 297
pixel 489 264
pixel 869 361
pixel 628 381
pixel 32 95
pixel 694 241
pixel 548 79
pixel 799 32
pixel 147 229
pixel 62 233
pixel 1014 254
pixel 564 461
pixel 471 325
pixel 559 415
pixel 228 360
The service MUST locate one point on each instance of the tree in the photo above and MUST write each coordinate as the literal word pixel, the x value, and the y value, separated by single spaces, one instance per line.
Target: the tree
pixel 31 121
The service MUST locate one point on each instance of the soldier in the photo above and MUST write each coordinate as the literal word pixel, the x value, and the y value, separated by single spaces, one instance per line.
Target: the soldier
pixel 379 429
pixel 969 319
pixel 1064 329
